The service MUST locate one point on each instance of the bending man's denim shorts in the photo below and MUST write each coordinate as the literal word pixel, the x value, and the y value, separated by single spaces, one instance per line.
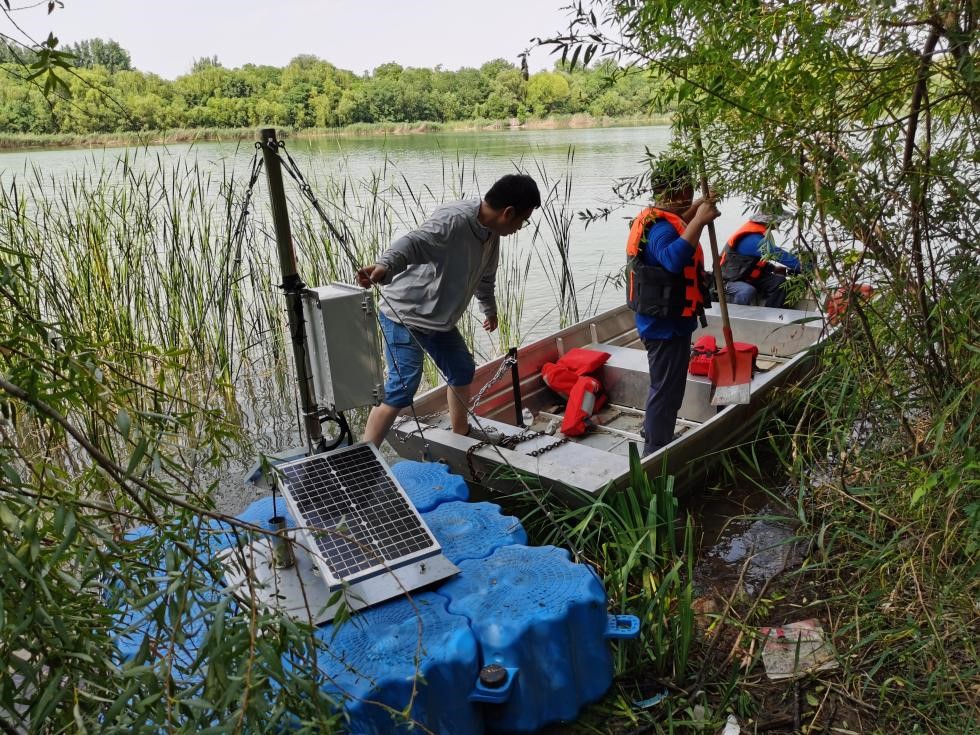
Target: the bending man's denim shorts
pixel 404 358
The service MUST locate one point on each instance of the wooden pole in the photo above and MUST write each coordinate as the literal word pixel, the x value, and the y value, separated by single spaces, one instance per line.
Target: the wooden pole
pixel 726 325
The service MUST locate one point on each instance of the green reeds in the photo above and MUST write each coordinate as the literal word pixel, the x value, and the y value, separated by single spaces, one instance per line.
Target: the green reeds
pixel 148 251
pixel 143 360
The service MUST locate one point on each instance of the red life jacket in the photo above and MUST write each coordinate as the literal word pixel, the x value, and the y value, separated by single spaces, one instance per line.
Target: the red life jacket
pixel 568 378
pixel 585 399
pixel 652 289
pixel 738 267
pixel 840 299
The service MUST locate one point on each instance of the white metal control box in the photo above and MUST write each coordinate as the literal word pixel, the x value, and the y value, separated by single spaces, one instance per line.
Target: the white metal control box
pixel 342 337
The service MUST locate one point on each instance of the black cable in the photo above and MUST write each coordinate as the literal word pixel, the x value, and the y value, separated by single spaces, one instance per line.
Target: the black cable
pixel 343 432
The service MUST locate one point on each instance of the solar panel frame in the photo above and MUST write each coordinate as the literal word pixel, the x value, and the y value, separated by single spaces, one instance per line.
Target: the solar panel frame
pixel 368 523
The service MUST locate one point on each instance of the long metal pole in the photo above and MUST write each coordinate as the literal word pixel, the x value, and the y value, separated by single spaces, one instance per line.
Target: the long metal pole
pixel 293 287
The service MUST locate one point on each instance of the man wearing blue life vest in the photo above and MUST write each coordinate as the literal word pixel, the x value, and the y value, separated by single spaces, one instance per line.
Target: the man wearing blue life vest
pixel 667 288
pixel 752 266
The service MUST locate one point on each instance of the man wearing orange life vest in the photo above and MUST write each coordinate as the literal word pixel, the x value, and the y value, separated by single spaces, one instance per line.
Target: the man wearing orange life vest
pixel 667 288
pixel 752 265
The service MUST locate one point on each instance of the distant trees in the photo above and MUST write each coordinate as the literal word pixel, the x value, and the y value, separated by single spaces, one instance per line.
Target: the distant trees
pixel 548 93
pixel 107 95
pixel 96 52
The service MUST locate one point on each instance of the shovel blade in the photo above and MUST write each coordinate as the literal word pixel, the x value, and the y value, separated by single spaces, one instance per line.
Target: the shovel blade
pixel 727 395
pixel 732 386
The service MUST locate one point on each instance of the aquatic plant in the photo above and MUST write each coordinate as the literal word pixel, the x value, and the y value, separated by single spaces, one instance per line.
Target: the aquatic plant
pixel 143 363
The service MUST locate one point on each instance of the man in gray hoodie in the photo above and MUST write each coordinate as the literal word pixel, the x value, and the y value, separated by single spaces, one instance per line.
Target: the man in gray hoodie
pixel 429 277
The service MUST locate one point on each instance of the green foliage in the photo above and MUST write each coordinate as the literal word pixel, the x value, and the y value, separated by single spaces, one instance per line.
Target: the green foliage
pixel 140 335
pixel 95 438
pixel 130 306
pixel 98 52
pixel 102 93
pixel 548 92
pixel 645 557
pixel 861 117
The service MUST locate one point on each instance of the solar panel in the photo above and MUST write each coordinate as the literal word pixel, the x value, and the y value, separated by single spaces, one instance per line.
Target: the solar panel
pixel 356 532
pixel 355 516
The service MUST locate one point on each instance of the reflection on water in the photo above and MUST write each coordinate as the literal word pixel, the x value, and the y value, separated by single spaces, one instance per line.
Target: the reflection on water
pixel 747 539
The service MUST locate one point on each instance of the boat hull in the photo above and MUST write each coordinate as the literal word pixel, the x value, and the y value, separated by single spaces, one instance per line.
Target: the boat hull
pixel 582 468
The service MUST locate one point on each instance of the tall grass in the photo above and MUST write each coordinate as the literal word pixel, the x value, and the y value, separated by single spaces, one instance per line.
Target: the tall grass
pixel 146 252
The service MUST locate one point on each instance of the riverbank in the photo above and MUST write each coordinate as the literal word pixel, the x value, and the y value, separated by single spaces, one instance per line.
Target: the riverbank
pixel 23 141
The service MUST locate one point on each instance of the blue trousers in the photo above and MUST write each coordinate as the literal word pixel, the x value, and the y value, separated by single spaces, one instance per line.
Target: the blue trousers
pixel 770 286
pixel 404 358
pixel 668 360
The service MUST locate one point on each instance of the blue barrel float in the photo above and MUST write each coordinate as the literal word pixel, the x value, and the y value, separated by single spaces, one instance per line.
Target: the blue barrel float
pixel 515 641
pixel 371 664
pixel 541 619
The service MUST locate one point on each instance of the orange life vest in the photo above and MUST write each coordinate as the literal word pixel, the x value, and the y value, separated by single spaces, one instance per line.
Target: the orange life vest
pixel 569 378
pixel 738 267
pixel 652 289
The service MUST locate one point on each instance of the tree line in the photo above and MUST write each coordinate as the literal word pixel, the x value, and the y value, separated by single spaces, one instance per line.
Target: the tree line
pixel 107 95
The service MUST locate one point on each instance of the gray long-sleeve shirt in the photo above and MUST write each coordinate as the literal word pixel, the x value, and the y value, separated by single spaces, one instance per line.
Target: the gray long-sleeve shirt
pixel 434 271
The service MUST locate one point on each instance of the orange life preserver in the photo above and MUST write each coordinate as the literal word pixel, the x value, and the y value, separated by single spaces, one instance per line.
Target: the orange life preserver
pixel 652 289
pixel 840 299
pixel 568 378
pixel 585 399
pixel 738 267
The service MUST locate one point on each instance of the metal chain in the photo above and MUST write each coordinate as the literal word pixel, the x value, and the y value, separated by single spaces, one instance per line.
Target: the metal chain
pixel 548 447
pixel 508 363
pixel 511 442
pixel 469 460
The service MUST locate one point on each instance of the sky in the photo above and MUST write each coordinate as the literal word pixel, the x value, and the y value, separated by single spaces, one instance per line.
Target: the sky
pixel 165 36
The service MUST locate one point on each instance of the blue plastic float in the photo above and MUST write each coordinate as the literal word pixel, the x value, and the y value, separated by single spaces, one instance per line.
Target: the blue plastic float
pixel 473 530
pixel 515 641
pixel 543 620
pixel 371 664
pixel 429 484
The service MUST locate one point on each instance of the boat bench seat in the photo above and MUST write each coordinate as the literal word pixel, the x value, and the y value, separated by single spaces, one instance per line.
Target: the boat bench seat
pixel 626 380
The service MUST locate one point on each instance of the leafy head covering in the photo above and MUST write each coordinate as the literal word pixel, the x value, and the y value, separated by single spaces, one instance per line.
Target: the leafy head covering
pixel 669 175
